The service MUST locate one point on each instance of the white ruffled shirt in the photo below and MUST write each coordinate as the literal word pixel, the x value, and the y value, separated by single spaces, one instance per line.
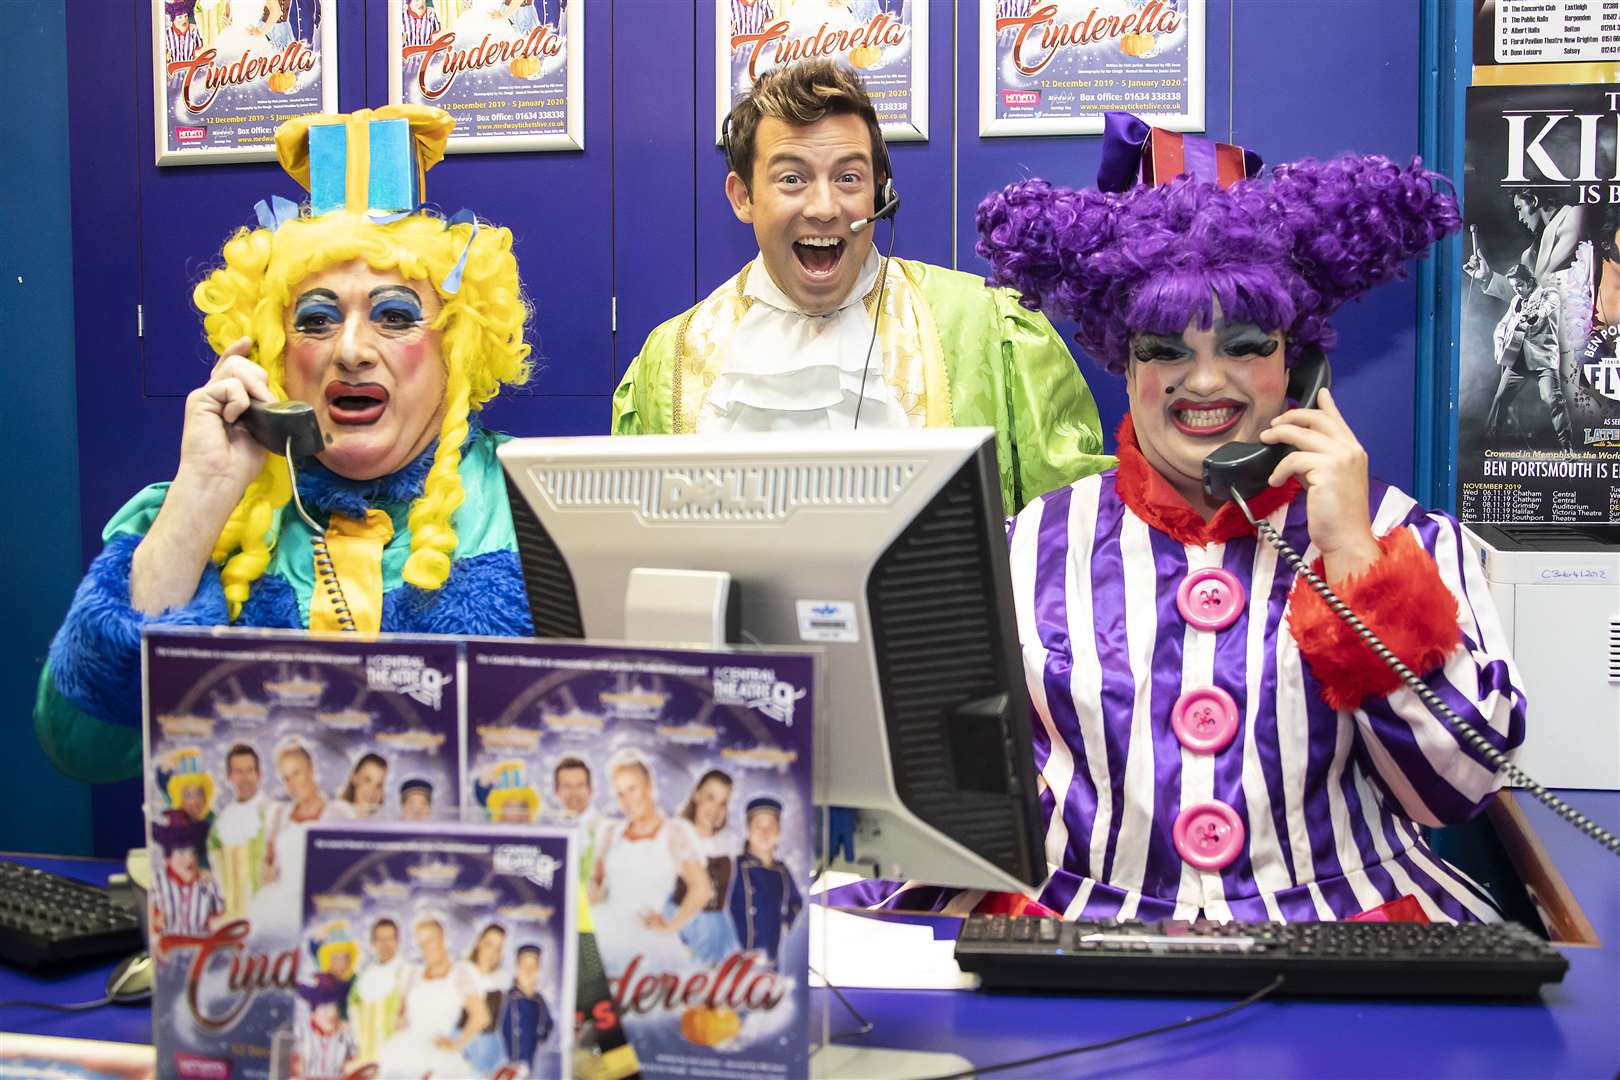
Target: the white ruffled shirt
pixel 789 371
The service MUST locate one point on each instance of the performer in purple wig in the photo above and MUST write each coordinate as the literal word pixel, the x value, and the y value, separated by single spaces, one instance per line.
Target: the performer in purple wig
pixel 1211 740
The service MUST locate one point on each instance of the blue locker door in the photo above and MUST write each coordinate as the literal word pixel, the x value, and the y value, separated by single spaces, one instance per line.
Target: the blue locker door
pixel 559 206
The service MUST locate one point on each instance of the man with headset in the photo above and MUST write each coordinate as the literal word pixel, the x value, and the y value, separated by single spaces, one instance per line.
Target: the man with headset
pixel 820 333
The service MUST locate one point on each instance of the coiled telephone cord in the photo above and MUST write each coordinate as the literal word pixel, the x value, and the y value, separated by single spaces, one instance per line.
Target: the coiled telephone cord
pixel 1428 696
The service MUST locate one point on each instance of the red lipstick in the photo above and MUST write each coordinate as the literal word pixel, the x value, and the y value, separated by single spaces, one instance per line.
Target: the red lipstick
pixel 355 403
pixel 1202 419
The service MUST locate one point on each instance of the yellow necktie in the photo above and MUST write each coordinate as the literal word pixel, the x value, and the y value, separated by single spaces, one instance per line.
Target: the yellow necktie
pixel 356 549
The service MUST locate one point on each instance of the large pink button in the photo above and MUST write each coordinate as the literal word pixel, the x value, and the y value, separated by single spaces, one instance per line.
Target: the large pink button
pixel 1205 720
pixel 1210 599
pixel 1208 835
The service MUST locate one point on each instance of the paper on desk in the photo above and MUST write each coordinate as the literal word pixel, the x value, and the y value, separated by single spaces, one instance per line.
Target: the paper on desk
pixel 850 950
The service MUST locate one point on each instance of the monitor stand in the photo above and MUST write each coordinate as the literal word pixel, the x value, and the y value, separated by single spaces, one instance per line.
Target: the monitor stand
pixel 836 1061
pixel 681 607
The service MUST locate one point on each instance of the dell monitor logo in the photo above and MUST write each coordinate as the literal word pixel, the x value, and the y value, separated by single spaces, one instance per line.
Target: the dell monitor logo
pixel 713 492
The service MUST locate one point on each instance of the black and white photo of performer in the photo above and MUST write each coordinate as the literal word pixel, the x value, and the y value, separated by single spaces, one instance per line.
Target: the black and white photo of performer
pixel 639 858
pixel 431 1036
pixel 1559 257
pixel 1526 346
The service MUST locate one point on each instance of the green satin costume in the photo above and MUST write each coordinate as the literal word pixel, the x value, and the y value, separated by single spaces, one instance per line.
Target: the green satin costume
pixel 1003 365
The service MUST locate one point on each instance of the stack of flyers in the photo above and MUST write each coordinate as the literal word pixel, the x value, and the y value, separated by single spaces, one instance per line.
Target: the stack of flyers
pixel 688 774
pixel 252 737
pixel 439 951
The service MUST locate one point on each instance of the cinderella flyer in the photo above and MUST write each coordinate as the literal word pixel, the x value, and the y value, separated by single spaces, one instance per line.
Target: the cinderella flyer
pixel 688 774
pixel 252 737
pixel 442 951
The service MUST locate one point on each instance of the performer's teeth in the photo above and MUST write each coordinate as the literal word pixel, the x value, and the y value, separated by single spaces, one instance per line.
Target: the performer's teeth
pixel 1207 418
pixel 818 254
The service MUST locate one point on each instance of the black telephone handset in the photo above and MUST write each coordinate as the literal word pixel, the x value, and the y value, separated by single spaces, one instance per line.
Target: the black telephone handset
pixel 273 423
pixel 1246 467
pixel 291 428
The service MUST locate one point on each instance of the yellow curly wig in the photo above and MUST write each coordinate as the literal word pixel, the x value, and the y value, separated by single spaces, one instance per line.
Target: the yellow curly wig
pixel 481 329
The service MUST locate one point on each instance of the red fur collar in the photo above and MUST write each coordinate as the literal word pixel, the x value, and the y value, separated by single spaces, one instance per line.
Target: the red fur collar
pixel 1152 499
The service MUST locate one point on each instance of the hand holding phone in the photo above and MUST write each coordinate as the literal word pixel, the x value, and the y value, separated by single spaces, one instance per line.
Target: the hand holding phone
pixel 1245 467
pixel 217 454
pixel 1332 465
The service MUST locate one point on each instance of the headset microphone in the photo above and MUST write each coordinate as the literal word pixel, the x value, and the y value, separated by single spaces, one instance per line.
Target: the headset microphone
pixel 886 210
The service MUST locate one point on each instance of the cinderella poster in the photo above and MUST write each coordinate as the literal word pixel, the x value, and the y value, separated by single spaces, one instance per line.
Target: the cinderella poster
pixel 687 776
pixel 1054 67
pixel 253 737
pixel 225 75
pixel 512 72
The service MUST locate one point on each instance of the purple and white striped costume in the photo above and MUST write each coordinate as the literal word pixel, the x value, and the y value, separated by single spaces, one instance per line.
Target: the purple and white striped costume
pixel 181 47
pixel 1329 799
pixel 322 1052
pixel 418 29
pixel 184 907
pixel 751 16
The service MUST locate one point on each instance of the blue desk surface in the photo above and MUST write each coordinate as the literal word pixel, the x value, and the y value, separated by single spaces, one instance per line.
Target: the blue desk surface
pixel 1574 1031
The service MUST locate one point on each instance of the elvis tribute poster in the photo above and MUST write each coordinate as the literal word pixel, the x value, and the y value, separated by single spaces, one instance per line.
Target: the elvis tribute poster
pixel 884 41
pixel 687 774
pixel 512 72
pixel 1539 378
pixel 437 952
pixel 225 75
pixel 1054 67
pixel 252 737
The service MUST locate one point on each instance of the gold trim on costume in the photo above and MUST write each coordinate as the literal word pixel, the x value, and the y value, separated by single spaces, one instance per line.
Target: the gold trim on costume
pixel 913 359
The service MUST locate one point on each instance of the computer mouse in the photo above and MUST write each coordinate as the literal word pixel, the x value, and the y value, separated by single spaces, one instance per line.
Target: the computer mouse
pixel 131 981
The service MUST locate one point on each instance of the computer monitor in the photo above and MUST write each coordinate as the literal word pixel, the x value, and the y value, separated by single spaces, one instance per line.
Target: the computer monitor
pixel 885 550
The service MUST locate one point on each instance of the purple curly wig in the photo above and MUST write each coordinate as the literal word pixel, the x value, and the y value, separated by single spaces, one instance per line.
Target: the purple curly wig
pixel 1282 251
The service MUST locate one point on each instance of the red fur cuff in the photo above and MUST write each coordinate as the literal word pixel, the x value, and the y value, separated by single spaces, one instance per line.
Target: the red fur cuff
pixel 1004 903
pixel 1402 599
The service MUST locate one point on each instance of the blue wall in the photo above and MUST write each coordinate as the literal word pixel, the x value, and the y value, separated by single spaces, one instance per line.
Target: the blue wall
pixel 640 214
pixel 39 809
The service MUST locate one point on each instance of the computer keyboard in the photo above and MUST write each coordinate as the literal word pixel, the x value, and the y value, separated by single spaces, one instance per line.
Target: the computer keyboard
pixel 1348 959
pixel 46 919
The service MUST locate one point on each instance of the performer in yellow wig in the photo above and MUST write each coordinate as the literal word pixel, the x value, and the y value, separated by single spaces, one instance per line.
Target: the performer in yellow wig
pixel 397 326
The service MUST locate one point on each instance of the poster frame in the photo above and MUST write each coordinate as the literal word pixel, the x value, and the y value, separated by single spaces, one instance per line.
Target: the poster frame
pixel 164 155
pixel 990 126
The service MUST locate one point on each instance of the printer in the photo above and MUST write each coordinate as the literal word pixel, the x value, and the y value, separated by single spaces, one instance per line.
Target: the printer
pixel 1557 587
